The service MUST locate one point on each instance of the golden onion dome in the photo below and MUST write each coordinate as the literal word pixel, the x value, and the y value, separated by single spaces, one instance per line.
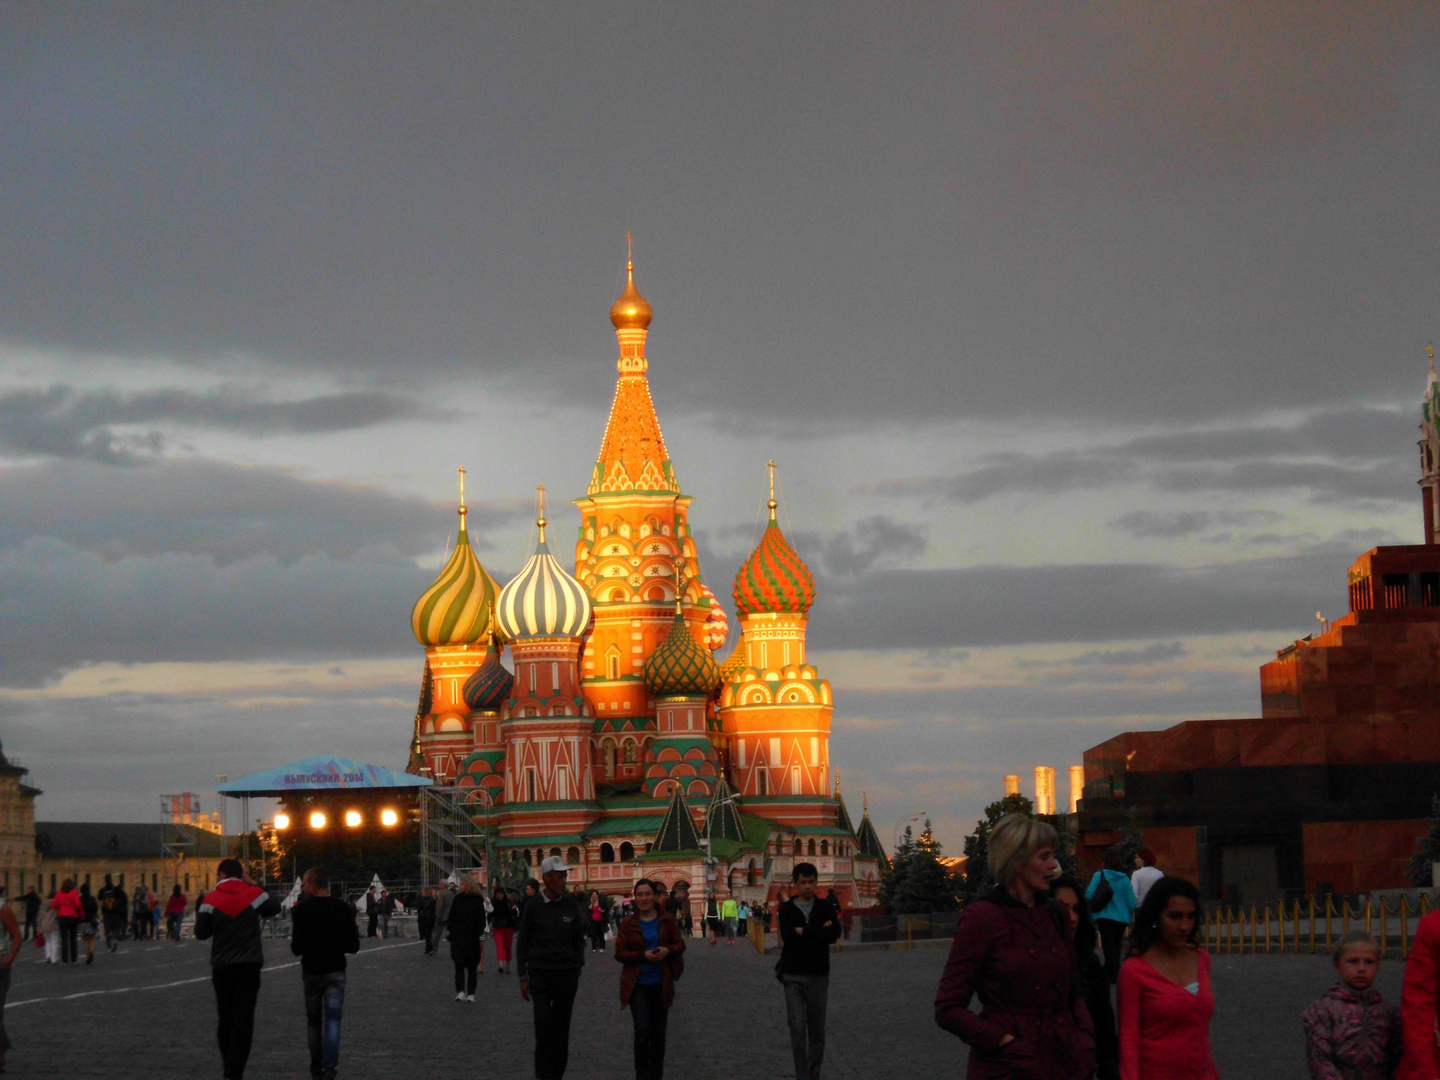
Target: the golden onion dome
pixel 457 608
pixel 632 311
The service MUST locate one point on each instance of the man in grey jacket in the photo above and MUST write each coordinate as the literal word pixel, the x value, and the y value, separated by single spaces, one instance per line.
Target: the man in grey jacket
pixel 443 899
pixel 549 953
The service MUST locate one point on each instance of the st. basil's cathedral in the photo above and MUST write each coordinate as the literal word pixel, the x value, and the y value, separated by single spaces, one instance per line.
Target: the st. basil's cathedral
pixel 615 738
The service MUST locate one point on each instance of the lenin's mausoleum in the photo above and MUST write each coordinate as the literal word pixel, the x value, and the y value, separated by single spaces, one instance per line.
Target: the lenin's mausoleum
pixel 1327 791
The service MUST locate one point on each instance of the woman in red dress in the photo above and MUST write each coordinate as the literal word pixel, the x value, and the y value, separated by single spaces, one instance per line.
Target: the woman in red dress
pixel 1164 990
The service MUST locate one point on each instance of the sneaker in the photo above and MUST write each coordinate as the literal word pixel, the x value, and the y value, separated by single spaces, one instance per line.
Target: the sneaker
pixel 460 996
pixel 470 998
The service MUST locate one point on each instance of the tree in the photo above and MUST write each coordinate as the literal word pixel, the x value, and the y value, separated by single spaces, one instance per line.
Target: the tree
pixel 1131 839
pixel 1427 849
pixel 917 882
pixel 978 878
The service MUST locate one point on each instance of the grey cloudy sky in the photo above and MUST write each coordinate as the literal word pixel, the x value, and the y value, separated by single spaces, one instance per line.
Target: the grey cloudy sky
pixel 1090 341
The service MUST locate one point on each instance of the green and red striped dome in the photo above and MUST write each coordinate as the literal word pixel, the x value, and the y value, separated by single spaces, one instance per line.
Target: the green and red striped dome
pixel 680 666
pixel 774 578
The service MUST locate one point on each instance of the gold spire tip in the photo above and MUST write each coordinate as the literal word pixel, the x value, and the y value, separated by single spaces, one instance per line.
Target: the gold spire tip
pixel 540 521
pixel 461 471
pixel 630 256
pixel 772 504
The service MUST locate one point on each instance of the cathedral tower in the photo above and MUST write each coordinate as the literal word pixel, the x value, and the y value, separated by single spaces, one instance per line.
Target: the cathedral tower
pixel 634 549
pixel 681 676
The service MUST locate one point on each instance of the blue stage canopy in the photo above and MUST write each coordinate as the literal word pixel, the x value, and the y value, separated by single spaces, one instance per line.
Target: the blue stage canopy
pixel 322 773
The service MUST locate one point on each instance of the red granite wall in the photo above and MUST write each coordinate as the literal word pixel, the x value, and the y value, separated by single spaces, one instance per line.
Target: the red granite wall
pixel 1356 856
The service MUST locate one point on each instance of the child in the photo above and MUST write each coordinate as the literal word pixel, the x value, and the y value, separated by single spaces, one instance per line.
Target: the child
pixel 1352 1033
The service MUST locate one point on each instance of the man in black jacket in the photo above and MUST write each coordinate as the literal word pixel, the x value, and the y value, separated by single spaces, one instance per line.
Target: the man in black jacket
pixel 808 927
pixel 549 953
pixel 322 931
pixel 230 915
pixel 32 912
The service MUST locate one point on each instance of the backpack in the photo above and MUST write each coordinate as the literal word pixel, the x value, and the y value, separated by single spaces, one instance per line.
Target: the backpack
pixel 1103 894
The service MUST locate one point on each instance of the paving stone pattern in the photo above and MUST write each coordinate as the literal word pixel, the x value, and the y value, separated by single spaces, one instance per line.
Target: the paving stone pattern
pixel 148 1012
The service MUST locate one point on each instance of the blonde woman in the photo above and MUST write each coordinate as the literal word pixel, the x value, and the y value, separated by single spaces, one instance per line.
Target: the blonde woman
pixel 466 925
pixel 1012 948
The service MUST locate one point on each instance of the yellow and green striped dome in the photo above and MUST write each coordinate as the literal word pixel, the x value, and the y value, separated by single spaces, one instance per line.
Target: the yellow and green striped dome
pixel 456 609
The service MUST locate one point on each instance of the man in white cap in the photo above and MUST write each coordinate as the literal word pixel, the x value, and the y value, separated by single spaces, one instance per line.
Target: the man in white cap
pixel 549 953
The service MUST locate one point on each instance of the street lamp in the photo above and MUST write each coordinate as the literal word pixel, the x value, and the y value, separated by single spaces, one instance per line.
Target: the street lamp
pixel 906 821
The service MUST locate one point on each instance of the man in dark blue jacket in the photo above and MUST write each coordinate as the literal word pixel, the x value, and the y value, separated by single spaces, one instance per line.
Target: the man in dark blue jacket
pixel 229 917
pixel 808 927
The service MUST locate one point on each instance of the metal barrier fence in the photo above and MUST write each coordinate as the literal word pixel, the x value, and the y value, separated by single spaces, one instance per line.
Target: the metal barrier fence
pixel 1310 926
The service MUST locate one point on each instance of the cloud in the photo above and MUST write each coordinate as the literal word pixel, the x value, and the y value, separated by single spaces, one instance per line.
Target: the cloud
pixel 872 541
pixel 60 421
pixel 1174 524
pixel 1159 652
pixel 225 512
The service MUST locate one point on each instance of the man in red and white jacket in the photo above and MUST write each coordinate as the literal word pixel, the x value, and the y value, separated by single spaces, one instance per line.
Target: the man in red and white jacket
pixel 230 918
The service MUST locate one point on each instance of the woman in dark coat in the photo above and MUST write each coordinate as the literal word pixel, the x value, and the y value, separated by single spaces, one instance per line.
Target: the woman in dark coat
pixel 1094 985
pixel 650 946
pixel 503 921
pixel 425 919
pixel 466 925
pixel 1012 948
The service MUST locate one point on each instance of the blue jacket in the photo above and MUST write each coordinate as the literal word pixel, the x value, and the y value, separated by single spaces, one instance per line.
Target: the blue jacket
pixel 1122 905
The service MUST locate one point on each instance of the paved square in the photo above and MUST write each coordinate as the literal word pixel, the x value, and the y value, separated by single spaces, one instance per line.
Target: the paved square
pixel 148 1011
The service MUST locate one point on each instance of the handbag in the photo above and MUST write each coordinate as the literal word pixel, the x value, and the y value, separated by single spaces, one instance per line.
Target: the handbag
pixel 40 939
pixel 1104 893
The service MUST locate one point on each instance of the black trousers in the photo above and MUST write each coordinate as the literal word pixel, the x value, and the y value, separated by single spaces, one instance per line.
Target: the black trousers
pixel 1112 936
pixel 237 986
pixel 465 978
pixel 370 923
pixel 647 1010
pixel 69 950
pixel 553 995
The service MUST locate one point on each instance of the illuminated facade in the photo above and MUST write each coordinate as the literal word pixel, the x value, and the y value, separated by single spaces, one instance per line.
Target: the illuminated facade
pixel 616 739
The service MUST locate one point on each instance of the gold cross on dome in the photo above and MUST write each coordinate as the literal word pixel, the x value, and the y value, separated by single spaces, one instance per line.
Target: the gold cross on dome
pixel 461 471
pixel 772 467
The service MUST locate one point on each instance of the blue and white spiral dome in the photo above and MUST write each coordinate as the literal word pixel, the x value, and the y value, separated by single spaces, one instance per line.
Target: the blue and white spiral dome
pixel 543 600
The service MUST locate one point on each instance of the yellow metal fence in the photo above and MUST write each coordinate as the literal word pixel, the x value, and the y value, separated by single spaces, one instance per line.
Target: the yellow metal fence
pixel 1309 926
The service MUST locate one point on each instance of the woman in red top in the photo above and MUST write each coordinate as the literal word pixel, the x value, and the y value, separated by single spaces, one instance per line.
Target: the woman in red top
pixel 1164 990
pixel 174 914
pixel 1419 1014
pixel 70 911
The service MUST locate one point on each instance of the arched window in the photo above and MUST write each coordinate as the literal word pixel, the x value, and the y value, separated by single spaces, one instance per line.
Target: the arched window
pixel 810 848
pixel 627 851
pixel 824 847
pixel 612 662
pixel 609 760
pixel 528 861
pixel 799 848
pixel 607 853
pixel 630 752
pixel 752 875
pixel 572 856
pixel 554 851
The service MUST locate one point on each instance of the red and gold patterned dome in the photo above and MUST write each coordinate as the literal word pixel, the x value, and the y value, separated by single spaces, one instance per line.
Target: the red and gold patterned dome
pixel 774 578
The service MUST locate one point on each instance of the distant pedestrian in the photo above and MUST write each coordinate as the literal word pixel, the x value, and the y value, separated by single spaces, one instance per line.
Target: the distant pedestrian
pixel 649 944
pixel 1069 894
pixel 1352 1033
pixel 1420 1003
pixel 532 890
pixel 1164 996
pixel 425 918
pixel 730 915
pixel 1112 904
pixel 69 910
pixel 712 917
pixel 595 922
pixel 1146 874
pixel 372 913
pixel 139 915
pixel 1012 949
pixel 322 932
pixel 742 919
pixel 174 914
pixel 387 911
pixel 47 927
pixel 230 915
pixel 808 928
pixel 444 897
pixel 678 904
pixel 11 926
pixel 89 927
pixel 467 929
pixel 503 920
pixel 112 912
pixel 549 953
pixel 32 912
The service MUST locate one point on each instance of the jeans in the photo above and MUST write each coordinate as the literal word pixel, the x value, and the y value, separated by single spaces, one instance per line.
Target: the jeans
pixel 805 998
pixel 553 995
pixel 384 926
pixel 237 986
pixel 69 949
pixel 324 1002
pixel 438 936
pixel 114 931
pixel 172 926
pixel 1112 935
pixel 730 927
pixel 647 1010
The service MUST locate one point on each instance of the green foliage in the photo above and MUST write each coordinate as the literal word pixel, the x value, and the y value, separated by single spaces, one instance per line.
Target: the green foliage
pixel 978 879
pixel 1131 839
pixel 917 882
pixel 1427 849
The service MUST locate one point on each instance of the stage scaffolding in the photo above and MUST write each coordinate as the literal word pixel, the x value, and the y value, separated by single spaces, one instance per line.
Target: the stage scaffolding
pixel 454 834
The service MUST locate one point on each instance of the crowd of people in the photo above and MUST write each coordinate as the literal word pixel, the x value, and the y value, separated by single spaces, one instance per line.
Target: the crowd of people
pixel 1027 950
pixel 1062 994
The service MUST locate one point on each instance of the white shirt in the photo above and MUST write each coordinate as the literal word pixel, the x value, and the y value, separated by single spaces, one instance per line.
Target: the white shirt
pixel 1142 879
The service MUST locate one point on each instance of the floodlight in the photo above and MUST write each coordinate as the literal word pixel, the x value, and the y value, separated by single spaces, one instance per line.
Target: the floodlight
pixel 282 821
pixel 389 817
pixel 352 818
pixel 317 820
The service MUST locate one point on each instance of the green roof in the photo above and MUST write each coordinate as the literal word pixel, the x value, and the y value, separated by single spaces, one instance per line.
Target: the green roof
pixel 870 846
pixel 645 824
pixel 723 815
pixel 539 841
pixel 677 830
pixel 842 815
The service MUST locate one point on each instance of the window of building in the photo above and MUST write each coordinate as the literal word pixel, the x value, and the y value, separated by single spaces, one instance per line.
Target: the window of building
pixel 154 881
pixel 612 663
pixel 554 676
pixel 562 782
pixel 799 848
pixel 762 782
pixel 609 760
pixel 532 677
pixel 795 787
pixel 187 883
pixel 627 851
pixel 824 847
pixel 740 753
pixel 530 784
pixel 572 856
pixel 810 848
pixel 607 853
pixel 87 879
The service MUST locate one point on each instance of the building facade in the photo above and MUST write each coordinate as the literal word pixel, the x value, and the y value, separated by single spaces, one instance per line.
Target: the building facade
pixel 1327 790
pixel 615 738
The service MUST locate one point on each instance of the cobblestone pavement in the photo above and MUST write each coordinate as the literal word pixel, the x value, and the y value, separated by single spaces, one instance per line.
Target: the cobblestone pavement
pixel 148 1011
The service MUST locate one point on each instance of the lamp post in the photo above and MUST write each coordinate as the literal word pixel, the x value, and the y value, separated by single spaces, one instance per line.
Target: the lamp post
pixel 906 821
pixel 711 863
